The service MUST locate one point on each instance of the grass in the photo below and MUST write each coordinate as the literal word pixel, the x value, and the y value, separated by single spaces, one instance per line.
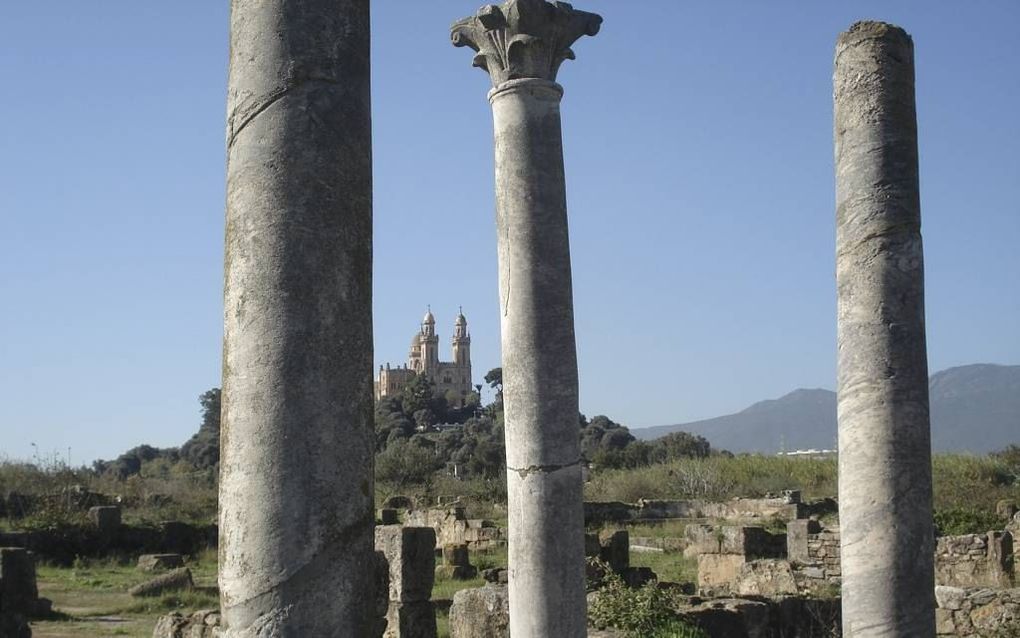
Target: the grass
pixel 90 598
pixel 445 588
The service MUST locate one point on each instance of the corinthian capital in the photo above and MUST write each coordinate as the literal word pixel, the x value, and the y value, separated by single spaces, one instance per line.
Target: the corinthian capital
pixel 523 38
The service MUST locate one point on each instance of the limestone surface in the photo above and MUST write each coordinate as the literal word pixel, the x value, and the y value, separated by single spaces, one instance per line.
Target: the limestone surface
pixel 411 560
pixel 482 612
pixel 158 562
pixel 521 44
pixel 297 442
pixel 174 580
pixel 885 485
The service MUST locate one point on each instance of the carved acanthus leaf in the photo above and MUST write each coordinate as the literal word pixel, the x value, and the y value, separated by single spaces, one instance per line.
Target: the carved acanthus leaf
pixel 523 38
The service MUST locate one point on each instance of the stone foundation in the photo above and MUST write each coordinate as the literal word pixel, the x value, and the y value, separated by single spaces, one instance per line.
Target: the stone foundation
pixel 977 612
pixel 975 560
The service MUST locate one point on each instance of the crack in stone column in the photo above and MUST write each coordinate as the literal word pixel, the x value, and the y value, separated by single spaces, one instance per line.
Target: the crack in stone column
pixel 544 469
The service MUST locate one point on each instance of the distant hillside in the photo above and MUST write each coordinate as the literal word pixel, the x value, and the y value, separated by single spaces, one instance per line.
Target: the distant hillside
pixel 974 408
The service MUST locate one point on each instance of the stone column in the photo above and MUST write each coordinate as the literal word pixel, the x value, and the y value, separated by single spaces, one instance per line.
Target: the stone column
pixel 296 487
pixel 521 44
pixel 885 484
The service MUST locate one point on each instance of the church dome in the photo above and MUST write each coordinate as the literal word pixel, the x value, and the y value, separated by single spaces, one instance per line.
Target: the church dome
pixel 461 319
pixel 416 340
pixel 429 318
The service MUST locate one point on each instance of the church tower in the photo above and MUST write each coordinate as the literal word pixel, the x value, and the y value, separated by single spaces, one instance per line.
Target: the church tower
pixel 429 344
pixel 461 341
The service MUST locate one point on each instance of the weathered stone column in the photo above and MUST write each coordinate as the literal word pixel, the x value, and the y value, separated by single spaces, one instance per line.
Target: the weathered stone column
pixel 521 44
pixel 296 488
pixel 885 488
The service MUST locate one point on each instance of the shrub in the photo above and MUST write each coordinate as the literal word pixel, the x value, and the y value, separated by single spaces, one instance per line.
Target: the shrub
pixel 957 521
pixel 645 612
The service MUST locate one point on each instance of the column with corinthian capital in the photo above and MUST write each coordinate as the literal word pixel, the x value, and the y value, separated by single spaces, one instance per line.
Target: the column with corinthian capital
pixel 521 44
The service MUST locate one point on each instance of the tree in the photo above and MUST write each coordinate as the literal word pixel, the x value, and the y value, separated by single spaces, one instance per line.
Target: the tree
pixel 417 394
pixel 390 422
pixel 494 378
pixel 203 449
pixel 677 445
pixel 405 462
pixel 602 433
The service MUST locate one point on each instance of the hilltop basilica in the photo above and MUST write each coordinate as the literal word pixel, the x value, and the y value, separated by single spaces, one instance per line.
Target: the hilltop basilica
pixel 452 379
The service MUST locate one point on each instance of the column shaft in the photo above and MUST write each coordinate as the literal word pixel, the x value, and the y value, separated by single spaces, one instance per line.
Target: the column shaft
pixel 546 518
pixel 885 484
pixel 296 486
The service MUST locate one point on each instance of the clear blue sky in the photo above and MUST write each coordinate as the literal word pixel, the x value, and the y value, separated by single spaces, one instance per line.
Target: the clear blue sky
pixel 699 169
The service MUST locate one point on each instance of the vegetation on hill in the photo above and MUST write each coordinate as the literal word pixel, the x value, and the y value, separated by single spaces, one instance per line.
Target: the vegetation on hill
pixel 427 448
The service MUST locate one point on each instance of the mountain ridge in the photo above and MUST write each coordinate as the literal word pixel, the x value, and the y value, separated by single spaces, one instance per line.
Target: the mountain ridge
pixel 974 408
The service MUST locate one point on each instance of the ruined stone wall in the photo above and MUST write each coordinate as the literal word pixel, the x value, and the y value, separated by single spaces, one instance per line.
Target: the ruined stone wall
pixel 723 552
pixel 62 545
pixel 454 528
pixel 975 560
pixel 823 554
pixel 977 612
pixel 785 507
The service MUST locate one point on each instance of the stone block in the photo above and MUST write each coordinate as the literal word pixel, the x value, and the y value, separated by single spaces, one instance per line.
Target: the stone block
pixel 766 577
pixel 106 518
pixel 731 618
pixel 615 550
pixel 482 612
pixel 201 624
pixel 717 572
pixel 635 577
pixel 592 548
pixel 411 559
pixel 382 588
pixel 950 598
pixel 1006 509
pixel 456 555
pixel 995 617
pixel 411 620
pixel 388 516
pixel 496 575
pixel 175 580
pixel 179 537
pixel 797 534
pixel 944 625
pixel 159 562
pixel 18 591
pixel 1000 557
pixel 752 542
pixel 399 503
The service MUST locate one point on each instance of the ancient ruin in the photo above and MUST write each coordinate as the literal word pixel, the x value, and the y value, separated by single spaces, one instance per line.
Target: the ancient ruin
pixel 521 45
pixel 296 482
pixel 408 555
pixel 885 483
